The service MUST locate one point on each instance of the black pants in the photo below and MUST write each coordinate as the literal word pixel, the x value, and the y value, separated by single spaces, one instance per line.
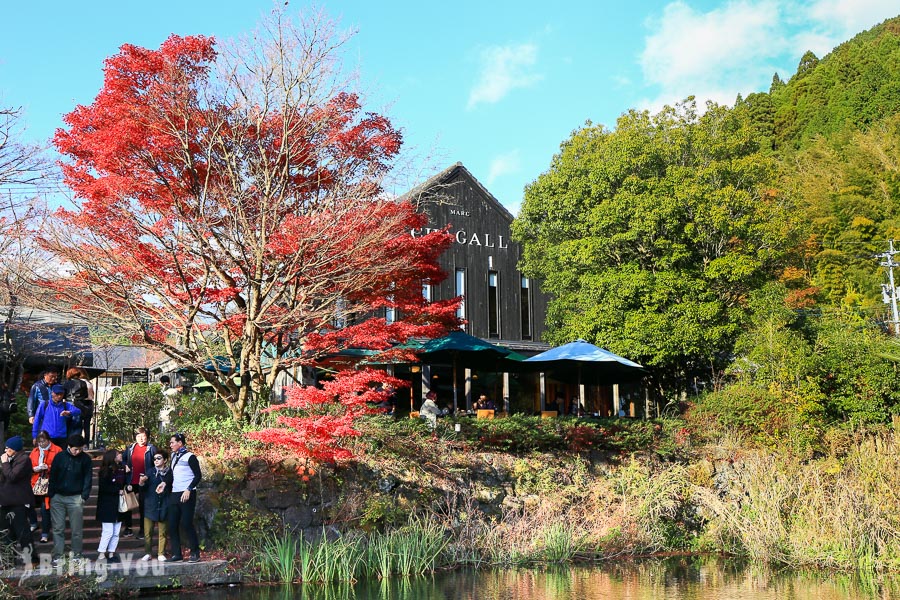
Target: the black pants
pixel 86 427
pixel 14 519
pixel 181 516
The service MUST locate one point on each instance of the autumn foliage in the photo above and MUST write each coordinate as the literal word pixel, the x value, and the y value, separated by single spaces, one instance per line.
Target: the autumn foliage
pixel 317 422
pixel 231 211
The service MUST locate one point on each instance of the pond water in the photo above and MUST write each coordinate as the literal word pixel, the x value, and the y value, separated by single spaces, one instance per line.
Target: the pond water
pixel 675 579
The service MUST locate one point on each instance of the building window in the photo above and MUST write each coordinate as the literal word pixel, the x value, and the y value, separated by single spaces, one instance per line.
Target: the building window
pixel 427 292
pixel 526 308
pixel 493 304
pixel 461 291
pixel 340 314
pixel 390 314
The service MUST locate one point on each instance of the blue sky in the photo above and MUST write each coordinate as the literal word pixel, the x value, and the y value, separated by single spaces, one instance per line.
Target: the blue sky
pixel 495 85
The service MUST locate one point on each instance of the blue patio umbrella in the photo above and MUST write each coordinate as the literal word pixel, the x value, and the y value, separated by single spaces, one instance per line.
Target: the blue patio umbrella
pixel 579 358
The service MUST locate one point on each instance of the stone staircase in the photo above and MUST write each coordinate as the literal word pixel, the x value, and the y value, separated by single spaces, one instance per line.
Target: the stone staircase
pixel 92 528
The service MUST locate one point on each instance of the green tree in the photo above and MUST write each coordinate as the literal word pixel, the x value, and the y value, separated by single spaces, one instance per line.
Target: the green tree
pixel 848 186
pixel 651 236
pixel 831 365
pixel 851 88
pixel 131 406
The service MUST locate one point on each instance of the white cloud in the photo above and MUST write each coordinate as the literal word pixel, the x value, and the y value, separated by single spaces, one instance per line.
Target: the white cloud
pixel 735 48
pixel 504 164
pixel 503 69
pixel 709 54
pixel 846 18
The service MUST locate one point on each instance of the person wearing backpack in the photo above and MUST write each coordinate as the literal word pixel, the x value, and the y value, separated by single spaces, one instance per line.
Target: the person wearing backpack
pixel 55 416
pixel 80 392
pixel 40 393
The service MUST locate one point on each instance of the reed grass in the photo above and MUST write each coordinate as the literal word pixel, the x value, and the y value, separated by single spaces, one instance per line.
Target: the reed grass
pixel 839 514
pixel 414 549
pixel 560 543
pixel 277 559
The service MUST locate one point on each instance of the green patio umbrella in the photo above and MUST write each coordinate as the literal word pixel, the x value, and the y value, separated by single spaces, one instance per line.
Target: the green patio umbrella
pixel 460 349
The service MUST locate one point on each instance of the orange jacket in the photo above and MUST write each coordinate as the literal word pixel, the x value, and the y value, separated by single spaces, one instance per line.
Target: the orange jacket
pixel 49 454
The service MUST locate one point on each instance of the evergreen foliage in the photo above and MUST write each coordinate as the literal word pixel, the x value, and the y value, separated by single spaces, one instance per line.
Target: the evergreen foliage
pixel 738 246
pixel 853 87
pixel 651 236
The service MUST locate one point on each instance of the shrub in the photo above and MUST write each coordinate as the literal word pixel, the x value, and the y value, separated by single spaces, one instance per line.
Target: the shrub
pixel 198 408
pixel 133 405
pixel 238 525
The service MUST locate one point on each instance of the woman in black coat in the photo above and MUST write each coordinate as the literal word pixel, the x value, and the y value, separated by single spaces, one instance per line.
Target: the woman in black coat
pixel 111 485
pixel 16 495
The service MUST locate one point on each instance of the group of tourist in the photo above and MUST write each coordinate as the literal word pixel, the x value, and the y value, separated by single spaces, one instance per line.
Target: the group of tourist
pixel 54 481
pixel 62 409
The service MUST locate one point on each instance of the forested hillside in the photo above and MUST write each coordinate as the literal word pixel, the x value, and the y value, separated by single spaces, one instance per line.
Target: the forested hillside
pixel 734 248
pixel 855 86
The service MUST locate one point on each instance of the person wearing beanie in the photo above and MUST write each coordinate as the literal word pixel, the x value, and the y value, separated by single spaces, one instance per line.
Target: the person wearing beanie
pixel 71 477
pixel 56 417
pixel 16 496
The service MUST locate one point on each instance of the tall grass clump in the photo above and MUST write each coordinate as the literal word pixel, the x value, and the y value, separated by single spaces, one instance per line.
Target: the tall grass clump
pixel 560 543
pixel 278 559
pixel 416 548
pixel 834 512
pixel 413 549
pixel 334 560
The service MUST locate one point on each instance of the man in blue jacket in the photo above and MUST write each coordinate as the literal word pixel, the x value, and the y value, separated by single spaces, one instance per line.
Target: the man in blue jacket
pixel 55 417
pixel 40 393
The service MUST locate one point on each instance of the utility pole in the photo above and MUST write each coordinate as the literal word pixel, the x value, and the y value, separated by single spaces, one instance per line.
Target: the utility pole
pixel 889 291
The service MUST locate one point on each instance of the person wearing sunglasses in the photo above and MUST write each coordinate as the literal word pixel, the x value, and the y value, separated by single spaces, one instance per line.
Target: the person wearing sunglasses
pixel 155 485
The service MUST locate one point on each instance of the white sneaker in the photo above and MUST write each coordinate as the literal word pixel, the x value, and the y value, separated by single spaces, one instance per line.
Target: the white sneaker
pixel 161 558
pixel 146 557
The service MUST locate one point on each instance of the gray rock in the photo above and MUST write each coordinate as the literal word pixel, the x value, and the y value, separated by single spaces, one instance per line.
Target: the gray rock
pixel 258 465
pixel 280 499
pixel 387 484
pixel 298 517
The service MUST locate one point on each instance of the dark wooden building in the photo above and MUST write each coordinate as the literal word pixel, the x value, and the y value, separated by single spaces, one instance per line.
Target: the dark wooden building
pixel 501 305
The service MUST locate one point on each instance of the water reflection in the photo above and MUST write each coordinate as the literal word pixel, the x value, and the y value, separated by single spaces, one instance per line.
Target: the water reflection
pixel 682 579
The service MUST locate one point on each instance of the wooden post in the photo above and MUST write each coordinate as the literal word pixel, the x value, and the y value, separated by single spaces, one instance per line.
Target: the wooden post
pixel 506 393
pixel 617 401
pixel 543 387
pixel 646 403
pixel 468 376
pixel 426 379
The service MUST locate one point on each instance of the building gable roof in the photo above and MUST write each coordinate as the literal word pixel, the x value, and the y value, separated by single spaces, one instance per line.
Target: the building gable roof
pixel 442 178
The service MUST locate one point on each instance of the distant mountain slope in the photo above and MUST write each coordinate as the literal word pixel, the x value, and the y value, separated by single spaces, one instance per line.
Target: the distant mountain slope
pixel 855 85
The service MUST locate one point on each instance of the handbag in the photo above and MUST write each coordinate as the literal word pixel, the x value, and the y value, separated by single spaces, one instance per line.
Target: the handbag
pixel 41 487
pixel 128 502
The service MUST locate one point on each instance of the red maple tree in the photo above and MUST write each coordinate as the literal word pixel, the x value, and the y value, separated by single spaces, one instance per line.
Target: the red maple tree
pixel 232 211
pixel 317 422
